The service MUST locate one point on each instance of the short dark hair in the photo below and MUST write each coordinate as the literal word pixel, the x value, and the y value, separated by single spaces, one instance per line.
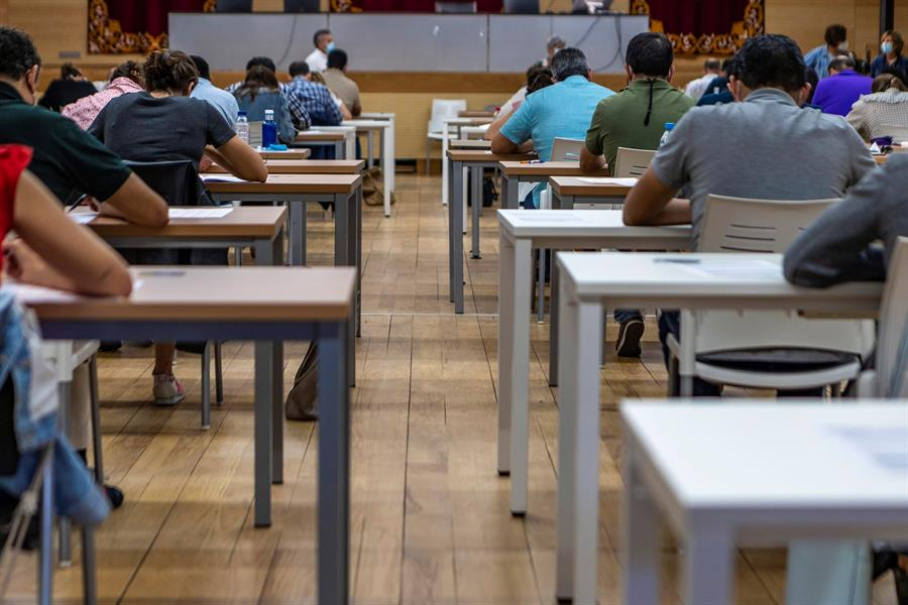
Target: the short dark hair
pixel 263 61
pixel 650 54
pixel 835 34
pixel 317 36
pixel 841 62
pixel 337 59
pixel 131 70
pixel 772 61
pixel 299 68
pixel 68 70
pixel 539 79
pixel 811 77
pixel 17 53
pixel 202 65
pixel 712 65
pixel 169 70
pixel 569 62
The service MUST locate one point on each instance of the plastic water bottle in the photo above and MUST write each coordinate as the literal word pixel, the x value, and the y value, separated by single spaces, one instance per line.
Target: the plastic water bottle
pixel 669 126
pixel 242 127
pixel 269 130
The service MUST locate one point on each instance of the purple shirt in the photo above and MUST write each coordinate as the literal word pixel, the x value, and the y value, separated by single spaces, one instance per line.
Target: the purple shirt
pixel 836 94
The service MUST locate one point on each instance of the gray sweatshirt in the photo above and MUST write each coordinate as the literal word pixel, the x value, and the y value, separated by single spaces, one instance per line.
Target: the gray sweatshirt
pixel 839 246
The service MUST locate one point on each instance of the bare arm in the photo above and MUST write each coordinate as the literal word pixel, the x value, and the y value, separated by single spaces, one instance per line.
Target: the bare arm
pixel 502 145
pixel 345 112
pixel 56 252
pixel 652 203
pixel 495 127
pixel 240 160
pixel 136 203
pixel 590 163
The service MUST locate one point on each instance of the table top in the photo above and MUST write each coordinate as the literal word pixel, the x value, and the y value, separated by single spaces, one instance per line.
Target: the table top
pixel 583 223
pixel 476 113
pixel 582 186
pixel 469 144
pixel 475 121
pixel 376 115
pixel 477 155
pixel 722 281
pixel 253 222
pixel 783 456
pixel 307 136
pixel 304 167
pixel 205 294
pixel 366 124
pixel 290 184
pixel 543 169
pixel 290 154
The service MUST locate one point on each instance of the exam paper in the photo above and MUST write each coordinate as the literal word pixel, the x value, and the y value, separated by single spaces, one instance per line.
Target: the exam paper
pixel 738 269
pixel 199 212
pixel 608 180
pixel 222 178
pixel 82 218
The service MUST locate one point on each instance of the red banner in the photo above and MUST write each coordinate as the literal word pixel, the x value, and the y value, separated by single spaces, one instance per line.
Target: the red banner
pixel 128 26
pixel 404 6
pixel 709 27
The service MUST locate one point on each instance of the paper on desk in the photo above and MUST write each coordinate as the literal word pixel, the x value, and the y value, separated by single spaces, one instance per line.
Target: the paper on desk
pixel 199 212
pixel 533 216
pixel 82 218
pixel 739 269
pixel 887 445
pixel 222 178
pixel 31 295
pixel 608 180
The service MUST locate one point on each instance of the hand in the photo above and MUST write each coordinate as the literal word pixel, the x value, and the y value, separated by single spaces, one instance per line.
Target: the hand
pixel 205 163
pixel 23 264
pixel 92 203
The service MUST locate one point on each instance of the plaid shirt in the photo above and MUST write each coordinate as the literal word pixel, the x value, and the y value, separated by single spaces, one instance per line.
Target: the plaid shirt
pixel 312 101
pixel 301 119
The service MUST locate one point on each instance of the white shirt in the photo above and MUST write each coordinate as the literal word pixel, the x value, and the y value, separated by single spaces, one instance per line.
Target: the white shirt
pixel 317 60
pixel 697 88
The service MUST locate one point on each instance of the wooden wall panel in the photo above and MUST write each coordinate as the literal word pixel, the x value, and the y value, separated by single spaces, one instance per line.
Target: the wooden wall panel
pixel 4 12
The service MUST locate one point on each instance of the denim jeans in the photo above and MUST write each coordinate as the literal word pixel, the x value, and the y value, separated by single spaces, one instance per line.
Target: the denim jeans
pixel 625 315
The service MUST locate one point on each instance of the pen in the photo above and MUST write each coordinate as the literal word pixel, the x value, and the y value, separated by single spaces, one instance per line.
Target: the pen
pixel 533 162
pixel 679 261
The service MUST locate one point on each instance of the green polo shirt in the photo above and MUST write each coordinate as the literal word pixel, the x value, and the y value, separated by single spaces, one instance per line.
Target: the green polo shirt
pixel 69 161
pixel 619 119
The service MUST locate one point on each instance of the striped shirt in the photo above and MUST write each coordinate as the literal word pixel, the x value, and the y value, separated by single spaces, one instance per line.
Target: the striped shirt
pixel 873 115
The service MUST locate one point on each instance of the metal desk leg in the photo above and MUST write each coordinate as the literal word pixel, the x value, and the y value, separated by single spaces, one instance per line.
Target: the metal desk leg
pixel 476 174
pixel 370 139
pixel 465 179
pixel 341 229
pixel 277 389
pixel 512 198
pixel 457 234
pixel 554 319
pixel 387 165
pixel 567 421
pixel 264 430
pixel 358 255
pixel 507 313
pixel 333 466
pixel 297 232
pixel 64 525
pixel 206 386
pixel 46 555
pixel 519 376
pixel 450 185
pixel 340 150
pixel 89 567
pixel 445 167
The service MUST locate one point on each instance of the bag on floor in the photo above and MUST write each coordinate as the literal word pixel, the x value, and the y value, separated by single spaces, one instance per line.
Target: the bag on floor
pixel 374 189
pixel 302 400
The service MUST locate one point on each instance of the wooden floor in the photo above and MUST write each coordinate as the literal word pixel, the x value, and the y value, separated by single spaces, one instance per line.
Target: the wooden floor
pixel 430 520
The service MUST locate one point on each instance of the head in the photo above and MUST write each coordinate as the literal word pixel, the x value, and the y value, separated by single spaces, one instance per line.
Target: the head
pixel 172 72
pixel 68 71
pixel 20 64
pixel 323 40
pixel 570 62
pixel 201 65
pixel 539 78
pixel 889 80
pixel 554 45
pixel 650 55
pixel 263 61
pixel 841 63
pixel 299 69
pixel 337 59
pixel 257 78
pixel 770 61
pixel 712 66
pixel 836 37
pixel 131 70
pixel 892 43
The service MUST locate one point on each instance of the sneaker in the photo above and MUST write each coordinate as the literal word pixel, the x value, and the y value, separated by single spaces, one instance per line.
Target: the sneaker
pixel 629 335
pixel 167 390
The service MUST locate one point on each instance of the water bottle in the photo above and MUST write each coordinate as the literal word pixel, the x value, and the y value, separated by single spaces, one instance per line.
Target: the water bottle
pixel 269 130
pixel 242 127
pixel 669 126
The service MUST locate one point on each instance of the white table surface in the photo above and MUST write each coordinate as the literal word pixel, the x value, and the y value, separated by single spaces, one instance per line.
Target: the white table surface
pixel 777 470
pixel 388 153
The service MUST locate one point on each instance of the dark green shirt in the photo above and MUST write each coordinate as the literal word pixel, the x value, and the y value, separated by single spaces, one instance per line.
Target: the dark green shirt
pixel 619 120
pixel 69 161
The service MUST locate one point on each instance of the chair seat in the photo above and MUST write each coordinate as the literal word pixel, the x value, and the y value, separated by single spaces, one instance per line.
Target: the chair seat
pixel 778 360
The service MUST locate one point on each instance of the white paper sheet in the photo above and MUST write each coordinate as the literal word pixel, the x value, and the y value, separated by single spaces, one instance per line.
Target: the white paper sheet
pixel 725 269
pixel 607 180
pixel 32 295
pixel 199 212
pixel 222 178
pixel 82 218
pixel 535 217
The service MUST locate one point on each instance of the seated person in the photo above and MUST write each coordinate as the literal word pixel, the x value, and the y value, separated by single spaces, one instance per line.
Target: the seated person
pixel 539 78
pixel 635 118
pixel 164 124
pixel 310 103
pixel 511 105
pixel 891 46
pixel 886 106
pixel 222 100
pixel 842 89
pixel 255 62
pixel 319 78
pixel 125 79
pixel 340 83
pixel 259 93
pixel 69 88
pixel 712 70
pixel 718 92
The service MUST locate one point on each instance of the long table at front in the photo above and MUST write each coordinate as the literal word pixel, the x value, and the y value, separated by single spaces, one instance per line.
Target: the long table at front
pixel 593 282
pixel 268 305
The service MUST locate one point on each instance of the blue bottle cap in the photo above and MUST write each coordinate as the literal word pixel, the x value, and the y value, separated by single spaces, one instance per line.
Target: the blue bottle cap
pixel 669 125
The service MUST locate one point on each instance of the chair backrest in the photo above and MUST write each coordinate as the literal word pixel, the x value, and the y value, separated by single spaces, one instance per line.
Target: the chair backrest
pixel 892 346
pixel 746 225
pixel 445 109
pixel 176 181
pixel 632 162
pixel 566 150
pixel 898 133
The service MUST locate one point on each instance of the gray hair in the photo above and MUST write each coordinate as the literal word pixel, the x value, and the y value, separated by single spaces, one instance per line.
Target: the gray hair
pixel 570 62
pixel 555 42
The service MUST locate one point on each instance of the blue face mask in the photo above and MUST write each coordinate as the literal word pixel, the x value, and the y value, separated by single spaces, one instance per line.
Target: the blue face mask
pixel 886 47
pixel 330 47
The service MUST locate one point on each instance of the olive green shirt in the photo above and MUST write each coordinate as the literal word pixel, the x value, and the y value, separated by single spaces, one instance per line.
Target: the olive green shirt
pixel 619 120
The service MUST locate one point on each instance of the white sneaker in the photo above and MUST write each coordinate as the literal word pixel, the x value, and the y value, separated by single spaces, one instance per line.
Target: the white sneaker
pixel 167 390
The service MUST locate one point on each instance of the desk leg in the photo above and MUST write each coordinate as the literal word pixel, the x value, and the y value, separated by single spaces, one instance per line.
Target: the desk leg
pixel 46 553
pixel 297 232
pixel 370 139
pixel 449 180
pixel 264 430
pixel 506 313
pixel 340 149
pixel 710 567
pixel 476 174
pixel 512 198
pixel 445 167
pixel 554 322
pixel 457 234
pixel 64 392
pixel 567 404
pixel 465 179
pixel 358 255
pixel 387 167
pixel 519 375
pixel 342 232
pixel 333 466
pixel 391 177
pixel 89 567
pixel 642 536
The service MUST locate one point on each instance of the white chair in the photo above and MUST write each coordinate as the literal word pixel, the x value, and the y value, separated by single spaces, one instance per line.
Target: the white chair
pixel 716 343
pixel 898 133
pixel 442 109
pixel 566 150
pixel 632 162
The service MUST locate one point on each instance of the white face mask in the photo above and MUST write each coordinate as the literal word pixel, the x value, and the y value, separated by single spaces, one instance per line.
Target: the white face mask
pixel 843 46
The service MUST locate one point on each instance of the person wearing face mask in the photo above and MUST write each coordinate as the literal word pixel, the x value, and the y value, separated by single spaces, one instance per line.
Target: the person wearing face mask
pixel 323 41
pixel 554 45
pixel 836 43
pixel 891 45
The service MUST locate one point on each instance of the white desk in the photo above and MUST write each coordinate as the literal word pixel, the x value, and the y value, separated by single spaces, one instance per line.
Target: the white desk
pixel 385 128
pixel 591 283
pixel 390 141
pixel 447 125
pixel 746 470
pixel 520 232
